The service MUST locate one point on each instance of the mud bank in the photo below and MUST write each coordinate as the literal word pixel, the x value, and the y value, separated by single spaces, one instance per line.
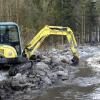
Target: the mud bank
pixel 54 69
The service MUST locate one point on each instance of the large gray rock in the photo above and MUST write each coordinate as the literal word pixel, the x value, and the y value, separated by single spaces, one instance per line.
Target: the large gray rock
pixel 42 66
pixel 41 73
pixel 55 60
pixel 53 77
pixel 62 73
pixel 47 80
pixel 59 59
pixel 46 59
pixel 20 78
pixel 18 82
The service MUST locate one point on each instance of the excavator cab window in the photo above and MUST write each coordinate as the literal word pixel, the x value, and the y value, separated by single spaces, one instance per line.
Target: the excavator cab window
pixel 9 35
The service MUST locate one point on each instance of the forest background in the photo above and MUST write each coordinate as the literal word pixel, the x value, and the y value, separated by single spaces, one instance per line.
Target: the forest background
pixel 82 16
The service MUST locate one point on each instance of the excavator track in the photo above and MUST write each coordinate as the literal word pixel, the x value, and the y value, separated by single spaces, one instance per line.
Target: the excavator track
pixel 25 66
pixel 20 68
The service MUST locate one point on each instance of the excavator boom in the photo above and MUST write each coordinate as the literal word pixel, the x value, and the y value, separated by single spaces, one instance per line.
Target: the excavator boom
pixel 52 30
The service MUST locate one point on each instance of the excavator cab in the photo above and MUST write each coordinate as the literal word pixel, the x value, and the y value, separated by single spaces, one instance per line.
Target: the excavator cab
pixel 9 35
pixel 10 45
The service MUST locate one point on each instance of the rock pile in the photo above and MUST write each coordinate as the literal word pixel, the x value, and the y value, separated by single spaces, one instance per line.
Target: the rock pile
pixel 40 75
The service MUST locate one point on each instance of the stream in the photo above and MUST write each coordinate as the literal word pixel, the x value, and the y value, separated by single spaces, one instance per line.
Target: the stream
pixel 85 85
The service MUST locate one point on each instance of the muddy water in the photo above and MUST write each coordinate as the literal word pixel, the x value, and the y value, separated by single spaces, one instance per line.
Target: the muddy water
pixel 83 84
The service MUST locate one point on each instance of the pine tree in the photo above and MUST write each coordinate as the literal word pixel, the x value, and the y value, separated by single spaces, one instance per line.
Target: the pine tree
pixel 67 13
pixel 91 20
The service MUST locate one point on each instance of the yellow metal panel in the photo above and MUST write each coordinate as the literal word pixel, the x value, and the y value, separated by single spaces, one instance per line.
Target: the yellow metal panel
pixel 7 51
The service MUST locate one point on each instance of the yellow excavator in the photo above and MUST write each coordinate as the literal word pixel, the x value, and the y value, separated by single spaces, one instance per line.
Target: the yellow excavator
pixel 11 52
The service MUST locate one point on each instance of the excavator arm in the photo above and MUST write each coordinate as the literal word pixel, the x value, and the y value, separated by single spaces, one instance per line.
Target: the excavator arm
pixel 52 30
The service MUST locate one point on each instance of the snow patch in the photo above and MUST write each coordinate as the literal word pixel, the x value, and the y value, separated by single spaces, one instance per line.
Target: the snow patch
pixel 3 75
pixel 88 50
pixel 85 82
pixel 94 61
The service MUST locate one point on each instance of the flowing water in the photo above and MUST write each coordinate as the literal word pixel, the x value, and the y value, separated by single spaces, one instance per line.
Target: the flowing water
pixel 83 84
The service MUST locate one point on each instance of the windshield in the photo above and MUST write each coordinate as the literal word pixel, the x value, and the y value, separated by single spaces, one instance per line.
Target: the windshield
pixel 9 35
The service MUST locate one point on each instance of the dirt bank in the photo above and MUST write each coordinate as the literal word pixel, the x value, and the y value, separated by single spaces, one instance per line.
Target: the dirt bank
pixel 54 69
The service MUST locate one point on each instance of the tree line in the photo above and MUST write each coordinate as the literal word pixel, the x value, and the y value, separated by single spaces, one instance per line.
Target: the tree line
pixel 32 15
